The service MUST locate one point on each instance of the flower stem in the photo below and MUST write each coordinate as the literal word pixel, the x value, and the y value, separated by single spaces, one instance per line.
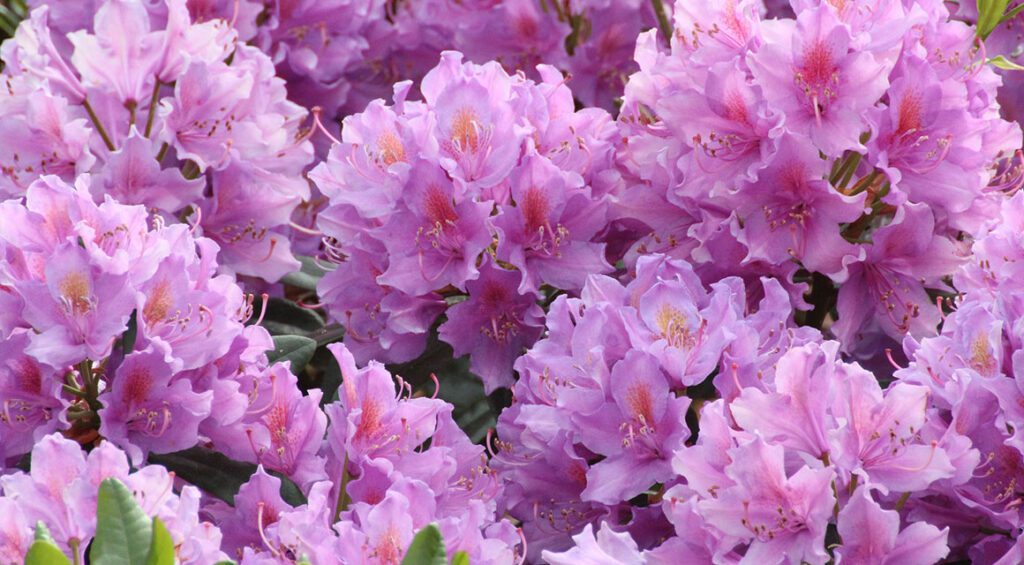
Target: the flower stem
pixel 99 126
pixel 152 107
pixel 663 24
pixel 343 498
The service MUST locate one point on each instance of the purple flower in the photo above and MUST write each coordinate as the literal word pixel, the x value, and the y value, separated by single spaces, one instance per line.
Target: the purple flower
pixel 282 429
pixel 120 33
pixel 816 76
pixel 476 131
pixel 872 535
pixel 799 216
pixel 434 240
pixel 79 309
pixel 547 234
pixel 797 414
pixel 30 397
pixel 145 409
pixel 779 515
pixel 638 431
pixel 886 292
pixel 493 325
pixel 607 547
pixel 133 176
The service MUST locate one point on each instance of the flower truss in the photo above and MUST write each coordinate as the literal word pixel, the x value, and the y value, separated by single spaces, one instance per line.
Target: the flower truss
pixel 361 282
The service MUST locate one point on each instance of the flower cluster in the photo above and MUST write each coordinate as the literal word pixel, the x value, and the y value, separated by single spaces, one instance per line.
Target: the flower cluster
pixel 61 491
pixel 925 468
pixel 600 408
pixel 857 144
pixel 342 54
pixel 113 322
pixel 174 115
pixel 493 187
pixel 397 464
pixel 971 372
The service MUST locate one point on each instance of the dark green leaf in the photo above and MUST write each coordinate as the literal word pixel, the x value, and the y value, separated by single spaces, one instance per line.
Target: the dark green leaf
pixel 161 547
pixel 130 334
pixel 290 492
pixel 212 472
pixel 123 531
pixel 427 548
pixel 219 475
pixel 284 317
pixel 295 348
pixel 307 276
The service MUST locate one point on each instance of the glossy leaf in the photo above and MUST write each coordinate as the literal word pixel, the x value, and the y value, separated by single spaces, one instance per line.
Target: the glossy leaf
pixel 161 546
pixel 123 531
pixel 427 548
pixel 294 348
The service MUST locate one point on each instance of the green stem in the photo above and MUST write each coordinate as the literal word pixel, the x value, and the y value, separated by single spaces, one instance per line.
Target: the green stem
pixel 163 152
pixel 99 126
pixel 343 498
pixel 152 107
pixel 190 170
pixel 902 501
pixel 73 391
pixel 74 543
pixel 664 25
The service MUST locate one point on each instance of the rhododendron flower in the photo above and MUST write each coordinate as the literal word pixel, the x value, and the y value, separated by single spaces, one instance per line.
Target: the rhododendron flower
pixel 144 409
pixel 819 79
pixel 872 535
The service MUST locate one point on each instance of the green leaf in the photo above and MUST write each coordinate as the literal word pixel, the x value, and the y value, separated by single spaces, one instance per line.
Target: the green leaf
pixel 284 317
pixel 460 558
pixel 44 550
pixel 427 548
pixel 225 562
pixel 1004 63
pixel 161 546
pixel 45 553
pixel 130 334
pixel 42 533
pixel 209 470
pixel 1012 14
pixel 990 12
pixel 123 531
pixel 307 276
pixel 218 475
pixel 295 348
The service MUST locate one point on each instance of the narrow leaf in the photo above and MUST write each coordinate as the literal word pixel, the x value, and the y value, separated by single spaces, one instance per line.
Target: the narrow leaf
pixel 123 531
pixel 427 548
pixel 161 546
pixel 460 558
pixel 1004 63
